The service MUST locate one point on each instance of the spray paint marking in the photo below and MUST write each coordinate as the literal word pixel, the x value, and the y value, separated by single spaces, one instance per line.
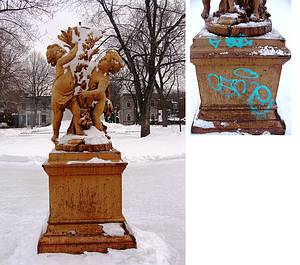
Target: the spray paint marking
pixel 231 42
pixel 257 94
pixel 261 95
pixel 215 42
pixel 229 88
pixel 238 42
pixel 245 73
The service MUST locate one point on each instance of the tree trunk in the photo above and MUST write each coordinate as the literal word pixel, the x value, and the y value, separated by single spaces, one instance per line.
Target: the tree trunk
pixel 164 115
pixel 136 116
pixel 145 120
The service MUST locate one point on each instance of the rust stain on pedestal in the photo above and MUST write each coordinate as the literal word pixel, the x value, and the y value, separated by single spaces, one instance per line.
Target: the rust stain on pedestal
pixel 220 62
pixel 82 195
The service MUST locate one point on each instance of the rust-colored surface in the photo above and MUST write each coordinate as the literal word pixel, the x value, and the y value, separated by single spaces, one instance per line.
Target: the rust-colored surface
pixel 80 147
pixel 81 89
pixel 241 121
pixel 59 157
pixel 78 238
pixel 238 81
pixel 83 194
pixel 237 30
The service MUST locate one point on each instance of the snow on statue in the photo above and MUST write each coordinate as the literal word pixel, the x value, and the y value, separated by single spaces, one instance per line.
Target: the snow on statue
pixel 238 18
pixel 81 83
pixel 85 180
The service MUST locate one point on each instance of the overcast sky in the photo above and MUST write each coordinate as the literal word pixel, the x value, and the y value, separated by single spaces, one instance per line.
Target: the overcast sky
pixel 50 27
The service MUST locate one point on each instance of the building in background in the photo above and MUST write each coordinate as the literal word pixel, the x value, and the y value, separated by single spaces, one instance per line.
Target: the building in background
pixel 8 109
pixel 125 111
pixel 128 110
pixel 26 110
pixel 128 113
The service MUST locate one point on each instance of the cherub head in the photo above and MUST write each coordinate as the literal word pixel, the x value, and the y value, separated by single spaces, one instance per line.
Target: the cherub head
pixel 111 62
pixel 54 52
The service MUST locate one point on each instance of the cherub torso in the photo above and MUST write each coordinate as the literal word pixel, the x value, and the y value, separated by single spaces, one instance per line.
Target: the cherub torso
pixel 63 87
pixel 98 80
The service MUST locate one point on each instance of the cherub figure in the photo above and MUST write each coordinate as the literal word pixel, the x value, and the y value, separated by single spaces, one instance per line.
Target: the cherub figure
pixel 224 7
pixel 95 96
pixel 63 88
pixel 246 7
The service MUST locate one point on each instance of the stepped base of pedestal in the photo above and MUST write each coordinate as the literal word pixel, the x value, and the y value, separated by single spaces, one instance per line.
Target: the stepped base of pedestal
pixel 237 120
pixel 85 203
pixel 89 237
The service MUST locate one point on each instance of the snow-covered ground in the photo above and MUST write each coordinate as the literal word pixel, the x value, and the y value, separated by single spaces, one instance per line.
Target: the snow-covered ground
pixel 153 196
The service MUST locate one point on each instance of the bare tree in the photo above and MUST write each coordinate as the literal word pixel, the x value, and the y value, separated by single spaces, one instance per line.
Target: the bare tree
pixel 125 83
pixel 166 82
pixel 172 66
pixel 16 16
pixel 11 70
pixel 16 32
pixel 143 32
pixel 38 78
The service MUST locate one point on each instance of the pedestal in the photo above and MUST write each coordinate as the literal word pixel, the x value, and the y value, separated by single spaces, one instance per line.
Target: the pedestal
pixel 238 79
pixel 85 193
pixel 236 29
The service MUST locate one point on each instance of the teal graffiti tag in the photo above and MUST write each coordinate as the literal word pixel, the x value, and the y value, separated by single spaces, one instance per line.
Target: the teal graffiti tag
pixel 245 73
pixel 260 99
pixel 229 88
pixel 238 42
pixel 257 94
pixel 215 42
pixel 231 42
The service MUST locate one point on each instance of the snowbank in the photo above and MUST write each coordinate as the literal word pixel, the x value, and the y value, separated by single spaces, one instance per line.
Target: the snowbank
pixel 153 196
pixel 153 201
pixel 151 250
pixel 35 144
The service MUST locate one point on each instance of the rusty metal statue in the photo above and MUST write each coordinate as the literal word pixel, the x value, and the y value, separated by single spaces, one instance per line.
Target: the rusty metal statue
pixel 82 82
pixel 257 8
pixel 63 88
pixel 95 96
pixel 231 13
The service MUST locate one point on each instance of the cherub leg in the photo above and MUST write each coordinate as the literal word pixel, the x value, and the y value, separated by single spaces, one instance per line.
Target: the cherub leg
pixel 97 112
pixel 231 4
pixel 206 5
pixel 256 4
pixel 75 109
pixel 223 8
pixel 71 128
pixel 57 117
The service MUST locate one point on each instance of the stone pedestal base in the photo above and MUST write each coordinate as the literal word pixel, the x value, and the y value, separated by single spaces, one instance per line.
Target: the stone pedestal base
pixel 85 194
pixel 238 80
pixel 78 238
pixel 237 120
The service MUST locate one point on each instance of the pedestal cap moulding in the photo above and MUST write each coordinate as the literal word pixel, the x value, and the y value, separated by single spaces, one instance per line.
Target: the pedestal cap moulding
pixel 238 58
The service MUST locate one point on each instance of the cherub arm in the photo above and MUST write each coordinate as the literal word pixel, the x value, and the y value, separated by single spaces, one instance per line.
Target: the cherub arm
pixel 68 57
pixel 92 93
pixel 101 88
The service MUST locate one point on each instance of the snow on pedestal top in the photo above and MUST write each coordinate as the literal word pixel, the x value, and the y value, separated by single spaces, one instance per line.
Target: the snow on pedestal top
pixel 92 136
pixel 274 34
